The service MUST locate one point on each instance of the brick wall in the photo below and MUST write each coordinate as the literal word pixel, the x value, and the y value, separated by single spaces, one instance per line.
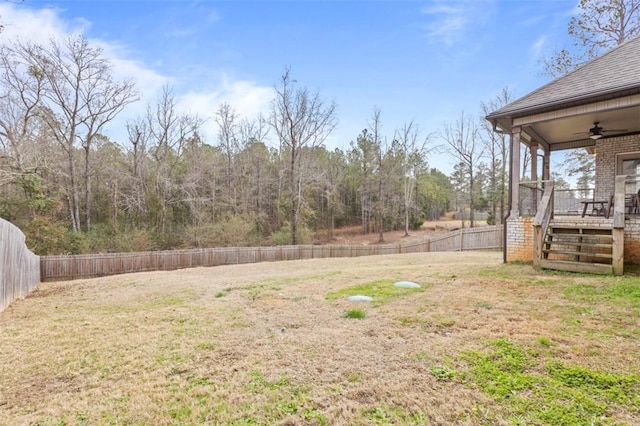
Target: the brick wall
pixel 520 239
pixel 632 240
pixel 606 150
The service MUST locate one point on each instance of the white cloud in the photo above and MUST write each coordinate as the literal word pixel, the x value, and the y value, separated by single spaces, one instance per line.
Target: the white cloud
pixel 40 25
pixel 538 47
pixel 450 20
pixel 245 97
pixel 213 17
pixel 148 81
pixel 36 25
pixel 182 32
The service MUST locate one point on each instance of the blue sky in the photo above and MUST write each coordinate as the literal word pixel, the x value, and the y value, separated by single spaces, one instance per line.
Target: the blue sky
pixel 414 60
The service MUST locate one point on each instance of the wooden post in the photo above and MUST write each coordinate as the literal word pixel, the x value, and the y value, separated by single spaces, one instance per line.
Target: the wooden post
pixel 617 261
pixel 533 192
pixel 546 165
pixel 533 151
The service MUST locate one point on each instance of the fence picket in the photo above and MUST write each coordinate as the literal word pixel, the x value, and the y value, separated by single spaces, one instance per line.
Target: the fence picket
pixel 19 268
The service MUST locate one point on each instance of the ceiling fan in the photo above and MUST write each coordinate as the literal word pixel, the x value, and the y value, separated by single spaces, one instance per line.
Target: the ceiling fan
pixel 596 132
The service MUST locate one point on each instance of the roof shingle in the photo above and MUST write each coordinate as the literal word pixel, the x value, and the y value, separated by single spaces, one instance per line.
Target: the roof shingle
pixel 616 70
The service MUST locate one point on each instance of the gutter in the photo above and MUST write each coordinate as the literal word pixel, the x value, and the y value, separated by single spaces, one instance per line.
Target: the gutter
pixel 509 200
pixel 580 99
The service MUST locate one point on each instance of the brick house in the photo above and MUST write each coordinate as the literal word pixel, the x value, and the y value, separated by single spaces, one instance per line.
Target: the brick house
pixel 597 108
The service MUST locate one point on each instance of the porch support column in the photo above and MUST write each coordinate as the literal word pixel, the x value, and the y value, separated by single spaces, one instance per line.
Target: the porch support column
pixel 546 165
pixel 533 194
pixel 533 151
pixel 515 172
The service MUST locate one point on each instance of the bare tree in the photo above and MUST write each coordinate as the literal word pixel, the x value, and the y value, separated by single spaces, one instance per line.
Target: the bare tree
pixel 169 133
pixel 332 176
pixel 599 26
pixel 363 155
pixel 254 171
pixel 226 118
pixel 301 120
pixel 381 150
pixel 412 159
pixel 80 97
pixel 134 188
pixel 21 91
pixel 496 146
pixel 463 143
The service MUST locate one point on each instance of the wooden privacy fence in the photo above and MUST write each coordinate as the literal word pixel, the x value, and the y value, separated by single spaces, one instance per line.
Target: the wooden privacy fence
pixel 486 237
pixel 54 268
pixel 19 268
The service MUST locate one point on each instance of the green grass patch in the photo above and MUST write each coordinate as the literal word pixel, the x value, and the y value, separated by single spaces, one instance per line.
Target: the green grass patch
pixel 386 414
pixel 483 305
pixel 355 314
pixel 550 393
pixel 205 346
pixel 442 372
pixel 258 381
pixel 544 341
pixel 281 398
pixel 382 291
pixel 623 289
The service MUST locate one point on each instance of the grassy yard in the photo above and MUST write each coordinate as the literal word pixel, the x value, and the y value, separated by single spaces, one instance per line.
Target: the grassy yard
pixel 481 343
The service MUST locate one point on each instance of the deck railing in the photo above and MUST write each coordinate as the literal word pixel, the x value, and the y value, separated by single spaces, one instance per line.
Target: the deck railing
pixel 542 219
pixel 566 201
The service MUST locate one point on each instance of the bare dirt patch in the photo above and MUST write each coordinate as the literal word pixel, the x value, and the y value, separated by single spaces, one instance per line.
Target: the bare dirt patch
pixel 261 344
pixel 353 234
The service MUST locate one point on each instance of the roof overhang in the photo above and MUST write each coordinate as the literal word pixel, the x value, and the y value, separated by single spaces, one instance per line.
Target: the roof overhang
pixel 565 124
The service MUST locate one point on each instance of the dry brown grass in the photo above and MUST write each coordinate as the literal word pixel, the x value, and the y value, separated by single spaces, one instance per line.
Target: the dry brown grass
pixel 260 344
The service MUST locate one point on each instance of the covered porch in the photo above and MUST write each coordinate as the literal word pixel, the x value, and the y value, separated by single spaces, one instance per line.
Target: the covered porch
pixel 594 108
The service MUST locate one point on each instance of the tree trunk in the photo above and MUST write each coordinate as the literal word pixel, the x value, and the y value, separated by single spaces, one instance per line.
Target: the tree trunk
pixel 87 184
pixel 471 199
pixel 380 206
pixel 406 222
pixel 294 197
pixel 75 199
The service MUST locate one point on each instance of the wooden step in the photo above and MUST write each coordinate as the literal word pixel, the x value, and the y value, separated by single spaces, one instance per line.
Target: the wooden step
pixel 579 253
pixel 577 244
pixel 578 231
pixel 584 267
pixel 600 234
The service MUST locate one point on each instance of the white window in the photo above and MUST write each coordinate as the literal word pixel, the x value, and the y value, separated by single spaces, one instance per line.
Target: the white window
pixel 629 164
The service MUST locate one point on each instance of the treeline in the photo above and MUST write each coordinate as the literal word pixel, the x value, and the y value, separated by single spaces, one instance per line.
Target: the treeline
pixel 265 180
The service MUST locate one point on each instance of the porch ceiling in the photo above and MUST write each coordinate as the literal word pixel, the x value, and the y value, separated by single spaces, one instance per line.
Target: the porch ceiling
pixel 570 128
